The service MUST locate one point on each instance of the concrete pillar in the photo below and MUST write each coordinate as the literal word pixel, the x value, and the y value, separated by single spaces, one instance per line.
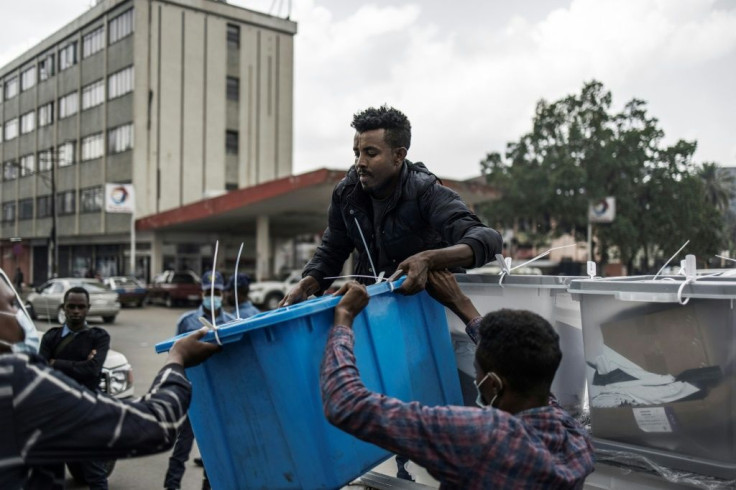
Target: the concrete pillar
pixel 157 259
pixel 263 249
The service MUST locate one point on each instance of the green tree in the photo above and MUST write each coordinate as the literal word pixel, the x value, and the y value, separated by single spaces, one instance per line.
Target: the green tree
pixel 720 185
pixel 579 150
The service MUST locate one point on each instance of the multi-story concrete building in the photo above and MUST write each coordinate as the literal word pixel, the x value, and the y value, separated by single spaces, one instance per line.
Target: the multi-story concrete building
pixel 184 99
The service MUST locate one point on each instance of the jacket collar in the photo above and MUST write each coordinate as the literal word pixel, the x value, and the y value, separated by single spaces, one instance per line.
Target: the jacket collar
pixel 361 199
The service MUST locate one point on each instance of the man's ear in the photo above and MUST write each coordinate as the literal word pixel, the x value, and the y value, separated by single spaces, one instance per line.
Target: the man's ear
pixel 399 155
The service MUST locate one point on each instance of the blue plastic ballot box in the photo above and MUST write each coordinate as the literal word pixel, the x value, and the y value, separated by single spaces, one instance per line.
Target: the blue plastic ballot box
pixel 256 406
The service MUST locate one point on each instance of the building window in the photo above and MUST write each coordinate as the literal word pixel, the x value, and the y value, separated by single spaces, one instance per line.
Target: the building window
pixel 68 105
pixel 233 88
pixel 45 114
pixel 90 199
pixel 27 165
pixel 121 26
pixel 68 56
pixel 231 142
pixel 28 78
pixel 10 170
pixel 45 159
pixel 233 36
pixel 11 88
pixel 93 42
pixel 120 139
pixel 27 122
pixel 8 212
pixel 120 83
pixel 11 129
pixel 25 209
pixel 46 67
pixel 92 147
pixel 66 202
pixel 93 94
pixel 65 154
pixel 43 206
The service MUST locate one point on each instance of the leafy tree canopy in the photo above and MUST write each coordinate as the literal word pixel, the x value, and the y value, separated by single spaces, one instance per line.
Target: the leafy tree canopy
pixel 579 151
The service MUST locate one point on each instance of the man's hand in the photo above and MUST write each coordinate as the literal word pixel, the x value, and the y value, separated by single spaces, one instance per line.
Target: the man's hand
pixel 304 288
pixel 190 351
pixel 416 268
pixel 91 354
pixel 443 287
pixel 354 299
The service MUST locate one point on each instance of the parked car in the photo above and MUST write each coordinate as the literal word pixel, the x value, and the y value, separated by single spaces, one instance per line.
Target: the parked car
pixel 47 300
pixel 130 290
pixel 172 288
pixel 268 294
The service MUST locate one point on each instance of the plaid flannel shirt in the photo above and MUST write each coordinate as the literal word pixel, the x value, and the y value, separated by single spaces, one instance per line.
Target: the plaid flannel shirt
pixel 463 447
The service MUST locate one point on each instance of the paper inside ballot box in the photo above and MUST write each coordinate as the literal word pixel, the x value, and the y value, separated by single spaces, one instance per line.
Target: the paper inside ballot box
pixel 671 342
pixel 665 342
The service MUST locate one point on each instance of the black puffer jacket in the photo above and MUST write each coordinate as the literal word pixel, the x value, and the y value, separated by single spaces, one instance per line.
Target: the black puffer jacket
pixel 421 215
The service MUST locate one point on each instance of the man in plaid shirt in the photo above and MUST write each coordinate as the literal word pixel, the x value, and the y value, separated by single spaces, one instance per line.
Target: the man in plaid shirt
pixel 519 438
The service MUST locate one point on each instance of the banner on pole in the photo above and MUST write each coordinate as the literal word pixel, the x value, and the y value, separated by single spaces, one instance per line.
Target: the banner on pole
pixel 119 198
pixel 603 211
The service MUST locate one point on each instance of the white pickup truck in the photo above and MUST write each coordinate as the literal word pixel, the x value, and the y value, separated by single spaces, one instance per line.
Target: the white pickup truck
pixel 268 294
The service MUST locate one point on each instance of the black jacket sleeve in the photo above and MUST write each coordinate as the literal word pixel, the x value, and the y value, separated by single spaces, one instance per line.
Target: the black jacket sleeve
pixel 334 250
pixel 83 370
pixel 55 419
pixel 449 215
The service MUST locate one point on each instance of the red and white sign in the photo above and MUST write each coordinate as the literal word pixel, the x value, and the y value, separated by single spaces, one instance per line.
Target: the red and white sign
pixel 119 198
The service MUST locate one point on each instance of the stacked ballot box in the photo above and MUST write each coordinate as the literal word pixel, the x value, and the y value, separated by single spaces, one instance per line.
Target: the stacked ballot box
pixel 546 296
pixel 257 410
pixel 660 373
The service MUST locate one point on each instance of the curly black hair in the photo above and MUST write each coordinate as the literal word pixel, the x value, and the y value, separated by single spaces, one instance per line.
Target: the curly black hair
pixel 396 124
pixel 520 346
pixel 77 290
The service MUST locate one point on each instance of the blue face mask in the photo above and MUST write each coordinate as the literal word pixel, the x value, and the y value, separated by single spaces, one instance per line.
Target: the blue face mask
pixel 209 304
pixel 29 345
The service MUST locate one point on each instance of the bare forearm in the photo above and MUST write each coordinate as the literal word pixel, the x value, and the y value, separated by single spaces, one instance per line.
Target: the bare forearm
pixel 464 309
pixel 460 255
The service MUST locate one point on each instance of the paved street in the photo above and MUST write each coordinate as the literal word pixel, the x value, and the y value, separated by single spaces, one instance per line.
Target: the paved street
pixel 135 333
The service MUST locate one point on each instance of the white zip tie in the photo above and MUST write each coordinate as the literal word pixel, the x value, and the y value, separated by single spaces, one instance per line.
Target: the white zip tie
pixel 367 251
pixel 670 260
pixel 687 281
pixel 235 291
pixel 349 276
pixel 207 324
pixel 212 284
pixel 543 254
pixel 726 258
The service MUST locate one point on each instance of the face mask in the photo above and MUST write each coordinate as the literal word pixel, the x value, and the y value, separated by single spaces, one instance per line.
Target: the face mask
pixel 479 398
pixel 29 345
pixel 208 303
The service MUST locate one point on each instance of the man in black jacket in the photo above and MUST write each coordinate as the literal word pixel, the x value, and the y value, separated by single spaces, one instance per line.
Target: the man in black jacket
pixel 79 351
pixel 395 213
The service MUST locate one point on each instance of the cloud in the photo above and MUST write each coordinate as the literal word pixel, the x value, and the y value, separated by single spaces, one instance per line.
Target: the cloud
pixel 467 98
pixel 470 86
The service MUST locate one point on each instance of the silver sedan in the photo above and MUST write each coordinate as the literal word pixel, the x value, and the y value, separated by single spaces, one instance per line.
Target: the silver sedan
pixel 47 300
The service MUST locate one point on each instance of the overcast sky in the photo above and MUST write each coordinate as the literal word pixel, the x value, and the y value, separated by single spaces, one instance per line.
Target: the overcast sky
pixel 469 73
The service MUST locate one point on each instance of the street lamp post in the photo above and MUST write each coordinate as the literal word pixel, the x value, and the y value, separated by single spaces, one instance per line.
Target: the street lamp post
pixel 53 270
pixel 54 230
